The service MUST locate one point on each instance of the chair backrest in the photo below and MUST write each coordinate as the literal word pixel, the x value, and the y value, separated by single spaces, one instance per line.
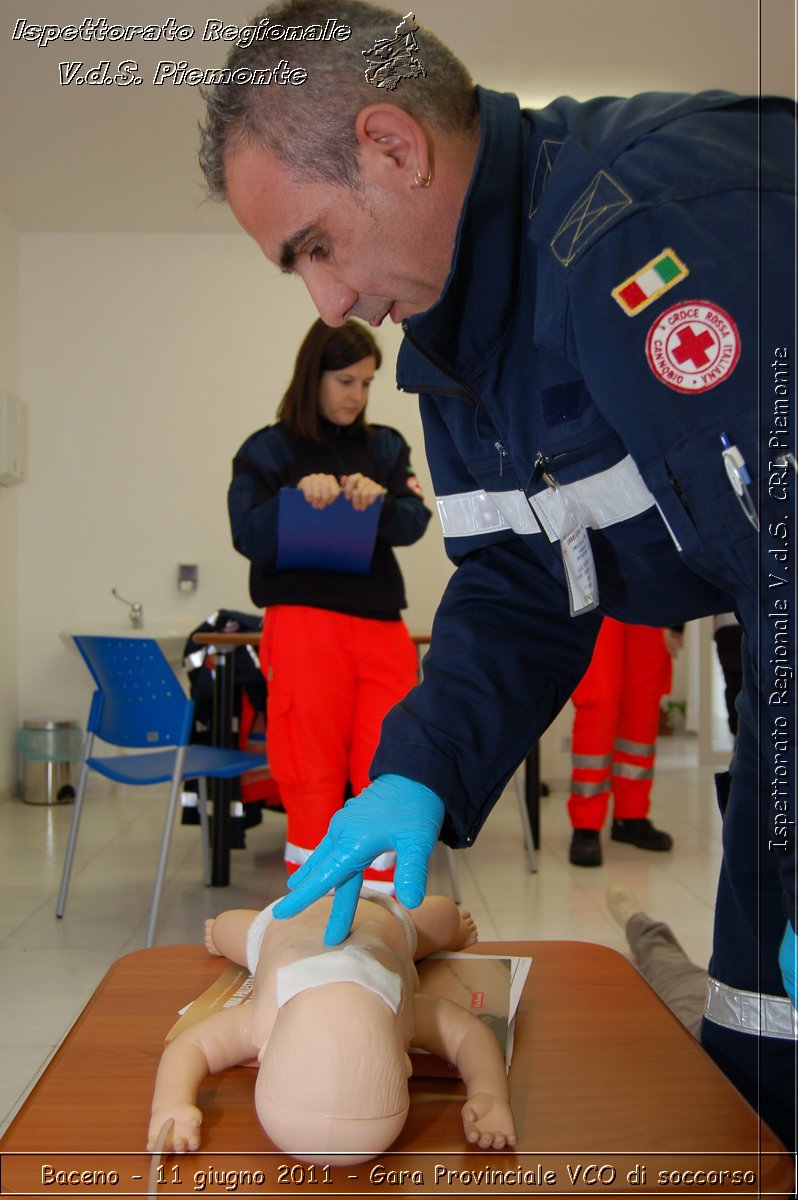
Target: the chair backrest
pixel 139 701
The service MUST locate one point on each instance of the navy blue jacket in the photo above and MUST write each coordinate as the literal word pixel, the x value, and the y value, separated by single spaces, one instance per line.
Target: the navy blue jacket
pixel 273 458
pixel 531 372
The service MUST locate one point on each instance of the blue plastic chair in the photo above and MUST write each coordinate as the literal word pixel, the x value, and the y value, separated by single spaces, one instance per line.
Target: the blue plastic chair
pixel 140 704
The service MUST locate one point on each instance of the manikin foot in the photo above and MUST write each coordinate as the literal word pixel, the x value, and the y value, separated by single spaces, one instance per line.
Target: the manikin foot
pixel 467 933
pixel 209 946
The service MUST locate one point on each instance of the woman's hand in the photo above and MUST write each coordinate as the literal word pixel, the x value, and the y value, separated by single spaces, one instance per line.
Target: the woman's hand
pixel 361 490
pixel 320 490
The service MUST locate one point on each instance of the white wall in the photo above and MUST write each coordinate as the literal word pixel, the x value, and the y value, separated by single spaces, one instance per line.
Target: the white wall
pixel 9 556
pixel 146 360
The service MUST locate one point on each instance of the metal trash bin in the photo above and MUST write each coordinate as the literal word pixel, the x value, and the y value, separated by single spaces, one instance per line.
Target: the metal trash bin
pixel 48 748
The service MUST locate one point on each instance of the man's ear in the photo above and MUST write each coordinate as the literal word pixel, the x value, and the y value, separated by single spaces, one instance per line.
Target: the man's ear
pixel 394 149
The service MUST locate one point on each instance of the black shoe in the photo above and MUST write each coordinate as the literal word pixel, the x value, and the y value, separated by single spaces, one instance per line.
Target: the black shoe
pixel 641 833
pixel 585 848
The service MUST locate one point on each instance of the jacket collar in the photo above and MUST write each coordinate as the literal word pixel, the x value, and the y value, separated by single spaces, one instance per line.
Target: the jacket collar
pixel 466 324
pixel 330 432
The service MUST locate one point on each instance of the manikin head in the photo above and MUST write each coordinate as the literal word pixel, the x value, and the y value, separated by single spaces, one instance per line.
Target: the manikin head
pixel 332 1085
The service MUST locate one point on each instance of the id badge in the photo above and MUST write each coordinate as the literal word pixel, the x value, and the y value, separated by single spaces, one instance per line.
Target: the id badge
pixel 580 568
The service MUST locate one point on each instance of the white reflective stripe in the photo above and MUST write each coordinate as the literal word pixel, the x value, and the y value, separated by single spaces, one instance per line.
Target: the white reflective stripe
pixel 603 499
pixel 515 509
pixel 581 787
pixel 591 762
pixel 468 514
pixel 383 862
pixel 751 1012
pixel 295 854
pixel 623 770
pixel 643 749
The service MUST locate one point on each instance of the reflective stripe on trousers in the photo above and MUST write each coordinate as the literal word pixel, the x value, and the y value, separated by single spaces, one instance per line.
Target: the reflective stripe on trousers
pixel 379 875
pixel 616 718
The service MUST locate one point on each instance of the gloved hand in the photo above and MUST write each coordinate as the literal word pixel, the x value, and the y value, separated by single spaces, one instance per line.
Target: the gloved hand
pixel 788 961
pixel 393 813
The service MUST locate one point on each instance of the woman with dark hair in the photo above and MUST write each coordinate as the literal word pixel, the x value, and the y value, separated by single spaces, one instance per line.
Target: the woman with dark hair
pixel 335 651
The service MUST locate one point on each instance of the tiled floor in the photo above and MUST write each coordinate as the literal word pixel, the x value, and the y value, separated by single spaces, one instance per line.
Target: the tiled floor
pixel 49 968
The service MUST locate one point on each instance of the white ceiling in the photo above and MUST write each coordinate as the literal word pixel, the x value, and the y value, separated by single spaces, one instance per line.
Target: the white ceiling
pixel 123 159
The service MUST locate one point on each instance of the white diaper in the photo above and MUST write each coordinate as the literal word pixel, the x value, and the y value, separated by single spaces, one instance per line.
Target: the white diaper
pixel 349 965
pixel 255 936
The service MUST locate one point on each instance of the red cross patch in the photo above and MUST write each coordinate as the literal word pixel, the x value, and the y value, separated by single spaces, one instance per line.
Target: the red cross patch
pixel 693 346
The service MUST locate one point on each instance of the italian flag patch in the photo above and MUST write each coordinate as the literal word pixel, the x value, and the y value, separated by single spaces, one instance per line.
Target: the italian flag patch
pixel 649 283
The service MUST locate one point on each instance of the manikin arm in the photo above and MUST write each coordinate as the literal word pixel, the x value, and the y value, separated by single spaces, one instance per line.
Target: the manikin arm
pixel 445 1029
pixel 220 1041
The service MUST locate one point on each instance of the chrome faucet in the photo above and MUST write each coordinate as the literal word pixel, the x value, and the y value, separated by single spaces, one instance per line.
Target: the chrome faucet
pixel 136 613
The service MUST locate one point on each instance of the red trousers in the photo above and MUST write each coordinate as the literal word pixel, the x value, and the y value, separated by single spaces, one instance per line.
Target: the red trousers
pixel 331 679
pixel 616 723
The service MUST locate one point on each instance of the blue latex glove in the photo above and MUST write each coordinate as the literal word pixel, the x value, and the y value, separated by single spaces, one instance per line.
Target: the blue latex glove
pixel 393 813
pixel 788 961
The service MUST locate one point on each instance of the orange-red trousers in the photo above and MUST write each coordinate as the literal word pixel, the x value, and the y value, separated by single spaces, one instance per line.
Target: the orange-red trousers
pixel 616 723
pixel 331 679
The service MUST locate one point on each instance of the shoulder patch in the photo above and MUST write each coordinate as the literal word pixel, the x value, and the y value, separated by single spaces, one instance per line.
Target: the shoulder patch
pixel 650 282
pixel 602 201
pixel 694 346
pixel 549 149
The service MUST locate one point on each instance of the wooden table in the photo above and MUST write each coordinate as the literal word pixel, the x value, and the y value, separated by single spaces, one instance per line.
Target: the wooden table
pixel 610 1094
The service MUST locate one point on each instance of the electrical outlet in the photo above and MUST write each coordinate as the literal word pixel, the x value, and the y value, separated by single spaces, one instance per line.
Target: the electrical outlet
pixel 187 577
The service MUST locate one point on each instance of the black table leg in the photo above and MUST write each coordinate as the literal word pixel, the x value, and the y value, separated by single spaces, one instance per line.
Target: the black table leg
pixel 222 789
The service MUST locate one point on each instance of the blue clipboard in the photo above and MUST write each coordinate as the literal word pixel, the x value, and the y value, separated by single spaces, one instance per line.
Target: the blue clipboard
pixel 335 538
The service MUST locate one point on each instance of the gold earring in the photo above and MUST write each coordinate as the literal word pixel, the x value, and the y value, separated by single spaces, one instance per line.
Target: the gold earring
pixel 423 181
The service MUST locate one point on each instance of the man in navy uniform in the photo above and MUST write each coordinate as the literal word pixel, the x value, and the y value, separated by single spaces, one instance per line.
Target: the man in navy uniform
pixel 598 307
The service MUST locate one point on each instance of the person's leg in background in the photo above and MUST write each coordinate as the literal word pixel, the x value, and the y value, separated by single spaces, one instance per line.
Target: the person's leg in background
pixel 659 957
pixel 385 662
pixel 309 672
pixel 728 637
pixel 645 667
pixel 596 701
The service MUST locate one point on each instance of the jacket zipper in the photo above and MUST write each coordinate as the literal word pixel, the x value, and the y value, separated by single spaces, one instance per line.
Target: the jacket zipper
pixel 674 482
pixel 466 387
pixel 441 367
